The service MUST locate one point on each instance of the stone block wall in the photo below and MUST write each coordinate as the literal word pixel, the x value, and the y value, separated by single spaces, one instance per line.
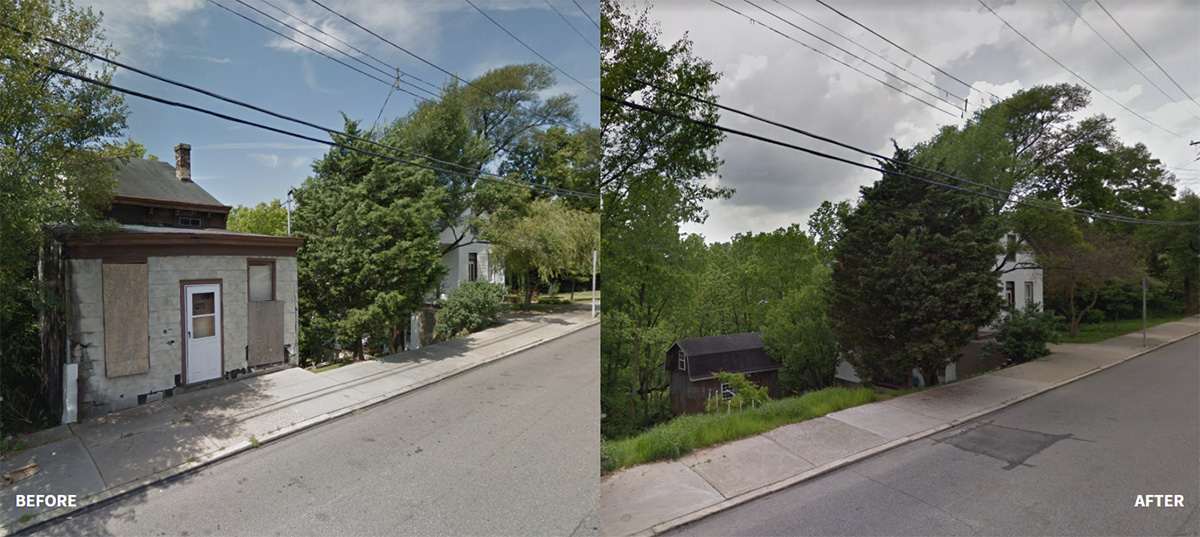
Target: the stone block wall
pixel 100 394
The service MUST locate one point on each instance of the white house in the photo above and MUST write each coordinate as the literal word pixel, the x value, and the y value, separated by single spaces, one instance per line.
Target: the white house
pixel 470 261
pixel 1021 283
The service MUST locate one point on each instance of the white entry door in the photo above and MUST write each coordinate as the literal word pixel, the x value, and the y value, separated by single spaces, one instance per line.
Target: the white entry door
pixel 203 313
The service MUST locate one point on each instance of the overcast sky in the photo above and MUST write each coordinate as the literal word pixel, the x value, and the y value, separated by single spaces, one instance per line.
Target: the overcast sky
pixel 772 76
pixel 196 42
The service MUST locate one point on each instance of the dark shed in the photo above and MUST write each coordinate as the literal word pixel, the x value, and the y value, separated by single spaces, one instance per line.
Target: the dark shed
pixel 693 362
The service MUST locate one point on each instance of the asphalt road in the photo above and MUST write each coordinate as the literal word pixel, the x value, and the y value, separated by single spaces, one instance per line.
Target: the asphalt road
pixel 506 449
pixel 1068 462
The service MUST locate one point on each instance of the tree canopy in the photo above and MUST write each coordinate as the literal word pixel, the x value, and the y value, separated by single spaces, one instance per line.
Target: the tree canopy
pixel 59 143
pixel 913 276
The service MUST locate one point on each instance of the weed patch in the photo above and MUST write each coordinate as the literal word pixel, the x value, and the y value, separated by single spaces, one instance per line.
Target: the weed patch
pixel 687 433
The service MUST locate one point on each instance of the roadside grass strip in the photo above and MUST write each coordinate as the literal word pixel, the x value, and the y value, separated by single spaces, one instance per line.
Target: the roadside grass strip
pixel 1097 332
pixel 684 434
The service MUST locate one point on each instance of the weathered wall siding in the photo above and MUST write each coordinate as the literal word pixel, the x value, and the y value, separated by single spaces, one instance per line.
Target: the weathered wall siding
pixel 100 394
pixel 85 324
pixel 286 291
pixel 126 339
pixel 165 275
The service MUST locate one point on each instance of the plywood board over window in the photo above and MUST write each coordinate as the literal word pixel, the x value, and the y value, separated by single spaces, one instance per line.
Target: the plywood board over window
pixel 264 329
pixel 126 319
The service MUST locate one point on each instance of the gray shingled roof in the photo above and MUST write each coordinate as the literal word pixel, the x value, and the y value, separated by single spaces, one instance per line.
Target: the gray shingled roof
pixel 732 353
pixel 142 178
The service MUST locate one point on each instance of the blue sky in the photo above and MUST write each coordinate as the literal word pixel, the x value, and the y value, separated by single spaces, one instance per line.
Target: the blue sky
pixel 196 42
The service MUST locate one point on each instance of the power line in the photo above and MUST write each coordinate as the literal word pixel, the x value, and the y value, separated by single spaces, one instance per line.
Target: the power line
pixel 474 175
pixel 585 14
pixel 1139 46
pixel 827 42
pixel 356 49
pixel 548 62
pixel 236 102
pixel 429 63
pixel 892 43
pixel 1009 197
pixel 395 72
pixel 1007 194
pixel 280 34
pixel 1135 68
pixel 873 77
pixel 1060 64
pixel 860 45
pixel 577 32
pixel 809 134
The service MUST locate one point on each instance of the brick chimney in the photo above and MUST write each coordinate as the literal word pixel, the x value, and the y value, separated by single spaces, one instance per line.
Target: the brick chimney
pixel 183 162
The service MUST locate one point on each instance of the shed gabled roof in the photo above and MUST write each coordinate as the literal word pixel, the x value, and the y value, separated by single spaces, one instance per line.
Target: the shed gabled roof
pixel 153 180
pixel 731 353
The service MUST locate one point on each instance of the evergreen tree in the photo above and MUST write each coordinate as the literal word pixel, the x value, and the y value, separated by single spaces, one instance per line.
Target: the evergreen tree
pixel 913 276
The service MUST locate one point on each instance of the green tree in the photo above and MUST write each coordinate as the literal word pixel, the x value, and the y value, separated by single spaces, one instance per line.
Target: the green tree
pixel 371 249
pixel 914 276
pixel 541 241
pixel 654 177
pixel 486 122
pixel 58 146
pixel 263 219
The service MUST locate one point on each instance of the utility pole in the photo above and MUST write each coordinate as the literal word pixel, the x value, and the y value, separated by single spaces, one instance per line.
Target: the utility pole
pixel 1145 286
pixel 289 213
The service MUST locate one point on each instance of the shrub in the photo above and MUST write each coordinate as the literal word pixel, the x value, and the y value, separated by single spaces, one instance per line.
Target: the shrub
pixel 1023 334
pixel 471 307
pixel 746 394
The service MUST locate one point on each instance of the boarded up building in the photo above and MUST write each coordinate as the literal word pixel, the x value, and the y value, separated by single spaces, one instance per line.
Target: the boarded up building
pixel 693 363
pixel 172 298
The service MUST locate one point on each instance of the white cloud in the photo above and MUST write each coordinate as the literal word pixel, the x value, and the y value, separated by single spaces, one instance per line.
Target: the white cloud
pixel 783 81
pixel 270 160
pixel 209 59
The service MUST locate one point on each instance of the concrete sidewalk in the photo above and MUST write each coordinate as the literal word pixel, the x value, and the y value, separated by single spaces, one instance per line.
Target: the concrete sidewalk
pixel 654 498
pixel 106 456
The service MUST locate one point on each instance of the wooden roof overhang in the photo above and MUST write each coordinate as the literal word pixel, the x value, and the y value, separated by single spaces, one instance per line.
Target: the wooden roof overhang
pixel 136 247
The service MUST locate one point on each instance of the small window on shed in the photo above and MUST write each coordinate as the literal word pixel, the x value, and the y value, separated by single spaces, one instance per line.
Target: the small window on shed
pixel 261 281
pixel 727 392
pixel 682 363
pixel 189 221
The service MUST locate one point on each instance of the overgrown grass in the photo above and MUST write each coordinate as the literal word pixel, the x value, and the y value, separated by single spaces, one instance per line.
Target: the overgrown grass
pixel 687 433
pixel 1094 333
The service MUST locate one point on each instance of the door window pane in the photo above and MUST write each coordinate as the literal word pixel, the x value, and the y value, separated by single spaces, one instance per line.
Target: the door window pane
pixel 204 327
pixel 202 304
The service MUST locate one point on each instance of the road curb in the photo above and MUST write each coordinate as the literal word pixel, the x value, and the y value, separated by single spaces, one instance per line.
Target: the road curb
pixel 812 473
pixel 213 457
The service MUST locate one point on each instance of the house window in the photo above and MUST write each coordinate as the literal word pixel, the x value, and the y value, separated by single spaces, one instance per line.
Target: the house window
pixel 1028 293
pixel 1011 247
pixel 682 364
pixel 261 281
pixel 189 221
pixel 727 392
pixel 1010 293
pixel 472 267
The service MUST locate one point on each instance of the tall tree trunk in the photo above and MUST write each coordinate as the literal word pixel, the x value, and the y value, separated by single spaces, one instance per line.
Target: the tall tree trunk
pixel 637 378
pixel 931 376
